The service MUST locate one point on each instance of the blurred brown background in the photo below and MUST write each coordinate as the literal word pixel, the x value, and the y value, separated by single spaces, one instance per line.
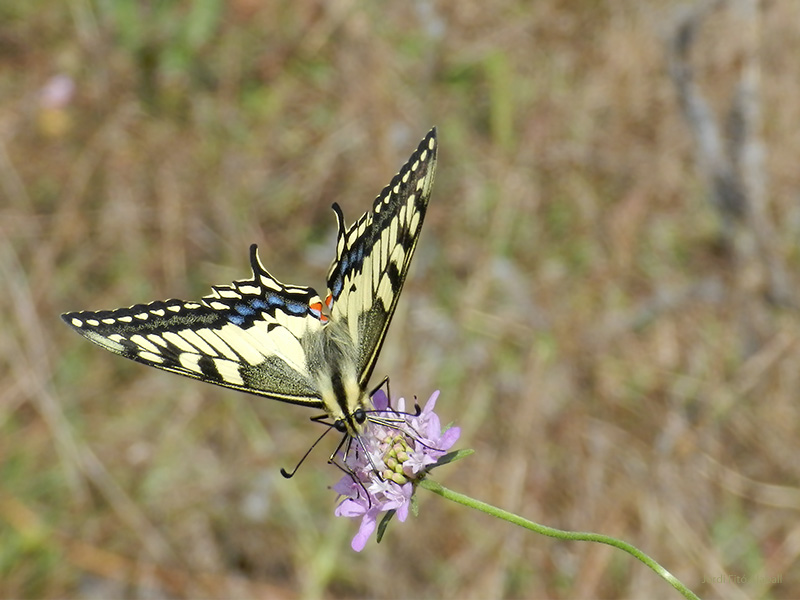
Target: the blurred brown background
pixel 605 290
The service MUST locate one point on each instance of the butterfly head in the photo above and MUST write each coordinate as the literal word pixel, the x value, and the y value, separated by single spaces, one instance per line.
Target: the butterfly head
pixel 352 424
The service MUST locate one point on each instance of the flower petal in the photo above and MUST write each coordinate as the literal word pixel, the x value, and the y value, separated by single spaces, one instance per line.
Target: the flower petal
pixel 380 400
pixel 449 438
pixel 368 524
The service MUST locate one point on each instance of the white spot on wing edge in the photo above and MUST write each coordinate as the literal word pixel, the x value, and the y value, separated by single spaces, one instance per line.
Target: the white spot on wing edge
pixel 252 290
pixel 270 283
pixel 298 289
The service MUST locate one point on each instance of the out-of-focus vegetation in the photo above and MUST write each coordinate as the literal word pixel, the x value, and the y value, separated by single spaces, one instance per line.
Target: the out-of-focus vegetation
pixel 612 354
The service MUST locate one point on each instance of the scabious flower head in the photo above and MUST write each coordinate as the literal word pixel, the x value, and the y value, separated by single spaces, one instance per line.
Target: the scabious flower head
pixel 391 456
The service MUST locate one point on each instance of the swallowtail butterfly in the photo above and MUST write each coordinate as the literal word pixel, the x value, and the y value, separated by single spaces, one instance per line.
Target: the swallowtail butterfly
pixel 282 341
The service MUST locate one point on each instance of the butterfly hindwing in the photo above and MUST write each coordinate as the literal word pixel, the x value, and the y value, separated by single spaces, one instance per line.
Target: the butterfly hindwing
pixel 374 254
pixel 251 336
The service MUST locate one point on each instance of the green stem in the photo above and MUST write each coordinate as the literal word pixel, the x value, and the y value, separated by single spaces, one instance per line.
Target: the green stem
pixel 436 488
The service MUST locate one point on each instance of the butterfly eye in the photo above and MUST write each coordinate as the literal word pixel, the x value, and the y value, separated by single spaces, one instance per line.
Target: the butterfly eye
pixel 340 426
pixel 360 416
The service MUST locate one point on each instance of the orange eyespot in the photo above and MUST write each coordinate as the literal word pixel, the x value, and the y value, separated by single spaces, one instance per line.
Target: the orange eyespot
pixel 316 310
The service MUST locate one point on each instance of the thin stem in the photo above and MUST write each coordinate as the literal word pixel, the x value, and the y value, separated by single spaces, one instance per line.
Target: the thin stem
pixel 437 488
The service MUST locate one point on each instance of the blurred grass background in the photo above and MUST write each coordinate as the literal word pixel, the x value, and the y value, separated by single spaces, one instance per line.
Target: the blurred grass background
pixel 575 296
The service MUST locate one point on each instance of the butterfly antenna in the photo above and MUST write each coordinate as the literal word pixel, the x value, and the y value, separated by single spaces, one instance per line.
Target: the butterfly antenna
pixel 289 475
pixel 385 382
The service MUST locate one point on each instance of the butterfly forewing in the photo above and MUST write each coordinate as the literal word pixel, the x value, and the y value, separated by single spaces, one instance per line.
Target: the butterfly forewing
pixel 373 255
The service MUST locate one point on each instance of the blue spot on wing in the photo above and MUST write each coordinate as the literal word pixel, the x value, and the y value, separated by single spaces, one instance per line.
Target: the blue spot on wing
pixel 258 304
pixel 236 320
pixel 337 286
pixel 243 310
pixel 296 308
pixel 274 301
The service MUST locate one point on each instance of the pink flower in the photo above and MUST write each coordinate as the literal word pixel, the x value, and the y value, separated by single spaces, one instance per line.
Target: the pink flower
pixel 385 463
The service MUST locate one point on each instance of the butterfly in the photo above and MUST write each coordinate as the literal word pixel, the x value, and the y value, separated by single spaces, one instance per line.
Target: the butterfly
pixel 280 341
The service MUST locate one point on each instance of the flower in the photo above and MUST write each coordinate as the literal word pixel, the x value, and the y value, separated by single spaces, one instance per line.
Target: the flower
pixel 57 92
pixel 385 463
pixel 53 117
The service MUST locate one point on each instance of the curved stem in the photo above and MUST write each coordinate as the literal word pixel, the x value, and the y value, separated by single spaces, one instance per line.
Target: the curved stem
pixel 437 488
